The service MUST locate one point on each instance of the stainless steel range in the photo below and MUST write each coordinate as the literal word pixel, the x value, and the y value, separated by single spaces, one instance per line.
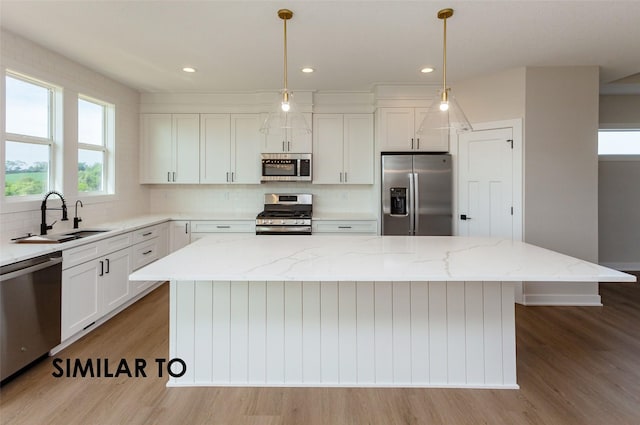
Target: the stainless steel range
pixel 285 214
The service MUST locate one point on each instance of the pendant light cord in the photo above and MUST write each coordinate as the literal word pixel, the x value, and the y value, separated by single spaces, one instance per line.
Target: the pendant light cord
pixel 444 58
pixel 285 54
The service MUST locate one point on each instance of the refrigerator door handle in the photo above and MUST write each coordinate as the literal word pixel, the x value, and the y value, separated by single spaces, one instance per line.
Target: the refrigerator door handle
pixel 416 202
pixel 412 204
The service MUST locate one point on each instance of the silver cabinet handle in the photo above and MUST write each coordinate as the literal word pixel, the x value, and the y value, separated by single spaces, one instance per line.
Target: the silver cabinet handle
pixel 341 177
pixel 227 177
pixel 283 149
pixel 233 176
pixel 223 227
pixel 168 176
pixel 344 227
pixel 288 146
pixel 147 252
pixel 345 176
pixel 174 176
pixel 411 143
pixel 418 140
pixel 147 234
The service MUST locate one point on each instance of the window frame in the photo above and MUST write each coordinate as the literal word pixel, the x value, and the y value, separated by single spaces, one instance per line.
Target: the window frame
pixel 619 157
pixel 54 108
pixel 107 148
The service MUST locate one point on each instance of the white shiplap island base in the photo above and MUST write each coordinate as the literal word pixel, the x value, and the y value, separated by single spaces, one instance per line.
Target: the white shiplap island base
pixel 353 311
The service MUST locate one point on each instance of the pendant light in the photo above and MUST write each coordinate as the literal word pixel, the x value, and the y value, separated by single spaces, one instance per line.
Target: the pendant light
pixel 285 116
pixel 444 113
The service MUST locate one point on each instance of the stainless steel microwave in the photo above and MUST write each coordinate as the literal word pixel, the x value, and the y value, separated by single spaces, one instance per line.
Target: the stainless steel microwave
pixel 286 167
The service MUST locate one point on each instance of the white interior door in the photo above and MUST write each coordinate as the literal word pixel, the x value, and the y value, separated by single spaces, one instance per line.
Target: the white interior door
pixel 486 183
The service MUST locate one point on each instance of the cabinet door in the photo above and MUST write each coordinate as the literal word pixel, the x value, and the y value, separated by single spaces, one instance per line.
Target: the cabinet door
pixel 294 141
pixel 156 148
pixel 186 135
pixel 358 149
pixel 245 148
pixel 328 149
pixel 396 128
pixel 433 141
pixel 115 280
pixel 80 297
pixel 300 141
pixel 179 234
pixel 215 148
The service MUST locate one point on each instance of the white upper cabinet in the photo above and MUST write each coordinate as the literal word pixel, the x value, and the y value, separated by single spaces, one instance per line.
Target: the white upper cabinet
pixel 343 149
pixel 398 127
pixel 289 141
pixel 169 148
pixel 230 148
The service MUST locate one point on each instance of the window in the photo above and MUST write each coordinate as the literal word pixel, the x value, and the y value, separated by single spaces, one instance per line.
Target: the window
pixel 619 142
pixel 94 145
pixel 29 118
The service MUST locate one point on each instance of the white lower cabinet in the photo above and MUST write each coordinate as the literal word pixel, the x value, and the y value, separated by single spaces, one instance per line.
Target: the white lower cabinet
pixel 179 234
pixel 363 227
pixel 80 297
pixel 92 289
pixel 200 229
pixel 95 276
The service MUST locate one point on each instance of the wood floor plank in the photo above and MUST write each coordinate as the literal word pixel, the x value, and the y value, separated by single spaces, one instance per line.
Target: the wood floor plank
pixel 576 365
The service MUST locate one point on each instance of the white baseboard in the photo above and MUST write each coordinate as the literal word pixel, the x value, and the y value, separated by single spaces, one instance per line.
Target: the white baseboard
pixel 625 267
pixel 562 300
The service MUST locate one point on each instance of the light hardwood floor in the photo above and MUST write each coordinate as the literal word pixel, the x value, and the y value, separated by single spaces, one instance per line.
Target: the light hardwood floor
pixel 576 365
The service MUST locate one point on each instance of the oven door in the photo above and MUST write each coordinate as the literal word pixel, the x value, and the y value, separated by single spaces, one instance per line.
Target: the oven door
pixel 264 229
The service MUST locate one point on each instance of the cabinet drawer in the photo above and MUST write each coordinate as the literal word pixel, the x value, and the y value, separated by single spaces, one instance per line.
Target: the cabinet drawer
pixel 229 226
pixel 146 233
pixel 145 253
pixel 351 226
pixel 81 254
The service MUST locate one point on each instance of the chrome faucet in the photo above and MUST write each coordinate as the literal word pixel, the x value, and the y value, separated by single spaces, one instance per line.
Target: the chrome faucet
pixel 43 209
pixel 76 219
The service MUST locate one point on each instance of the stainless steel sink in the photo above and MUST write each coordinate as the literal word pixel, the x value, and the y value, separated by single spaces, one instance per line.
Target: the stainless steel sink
pixel 78 234
pixel 65 237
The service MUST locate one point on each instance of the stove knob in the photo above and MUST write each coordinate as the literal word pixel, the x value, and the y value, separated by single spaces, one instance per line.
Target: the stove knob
pixel 268 221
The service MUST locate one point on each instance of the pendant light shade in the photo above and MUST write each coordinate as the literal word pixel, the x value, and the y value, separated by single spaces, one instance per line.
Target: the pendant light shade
pixel 285 115
pixel 444 113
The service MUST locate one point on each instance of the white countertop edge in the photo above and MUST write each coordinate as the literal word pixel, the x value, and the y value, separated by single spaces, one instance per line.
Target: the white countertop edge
pixel 349 258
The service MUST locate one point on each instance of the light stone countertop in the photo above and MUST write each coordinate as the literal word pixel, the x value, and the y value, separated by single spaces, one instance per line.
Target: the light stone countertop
pixel 13 252
pixel 247 257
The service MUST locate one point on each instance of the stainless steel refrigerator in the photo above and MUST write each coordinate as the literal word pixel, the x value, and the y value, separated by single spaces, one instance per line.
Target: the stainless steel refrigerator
pixel 416 194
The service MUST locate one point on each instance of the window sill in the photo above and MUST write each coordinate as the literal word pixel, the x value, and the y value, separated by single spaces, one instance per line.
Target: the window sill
pixel 618 157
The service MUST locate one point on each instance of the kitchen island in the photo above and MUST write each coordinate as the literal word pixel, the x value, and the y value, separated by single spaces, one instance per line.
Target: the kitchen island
pixel 383 311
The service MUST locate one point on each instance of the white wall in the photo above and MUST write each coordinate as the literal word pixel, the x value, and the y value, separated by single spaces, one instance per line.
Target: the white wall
pixel 494 97
pixel 21 55
pixel 248 200
pixel 619 191
pixel 561 173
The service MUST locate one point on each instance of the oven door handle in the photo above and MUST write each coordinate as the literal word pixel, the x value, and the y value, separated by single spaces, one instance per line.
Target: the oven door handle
pixel 282 229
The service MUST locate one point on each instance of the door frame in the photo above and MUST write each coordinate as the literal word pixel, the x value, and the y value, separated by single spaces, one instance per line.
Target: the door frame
pixel 518 178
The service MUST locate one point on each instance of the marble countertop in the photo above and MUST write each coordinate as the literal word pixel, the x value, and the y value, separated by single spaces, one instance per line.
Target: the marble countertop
pixel 13 252
pixel 248 257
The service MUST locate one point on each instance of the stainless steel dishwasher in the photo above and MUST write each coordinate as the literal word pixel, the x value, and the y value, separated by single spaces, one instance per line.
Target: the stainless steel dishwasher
pixel 30 311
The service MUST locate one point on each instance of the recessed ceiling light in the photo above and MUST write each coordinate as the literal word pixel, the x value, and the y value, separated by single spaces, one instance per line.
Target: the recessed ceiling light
pixel 307 70
pixel 426 70
pixel 188 69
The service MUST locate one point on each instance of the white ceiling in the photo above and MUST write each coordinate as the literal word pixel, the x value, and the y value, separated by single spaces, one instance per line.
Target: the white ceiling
pixel 237 45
